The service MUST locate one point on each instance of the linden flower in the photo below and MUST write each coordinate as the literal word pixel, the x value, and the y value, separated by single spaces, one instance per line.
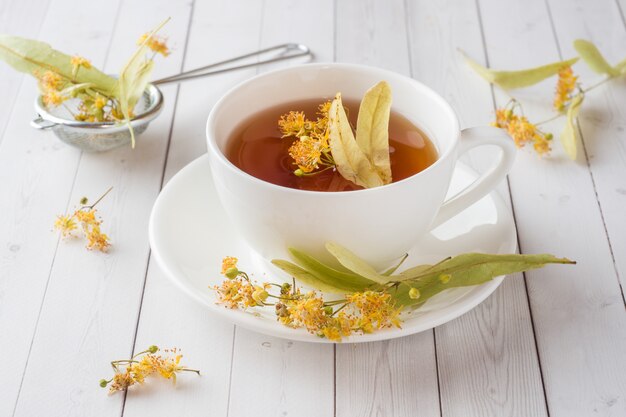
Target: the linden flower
pixel 228 263
pixel 97 240
pixel 564 87
pixel 376 309
pixel 292 124
pixel 306 153
pixel 50 80
pixel 100 102
pixel 155 43
pixel 522 131
pixel 66 225
pixel 78 61
pixel 238 292
pixel 53 98
pixel 121 381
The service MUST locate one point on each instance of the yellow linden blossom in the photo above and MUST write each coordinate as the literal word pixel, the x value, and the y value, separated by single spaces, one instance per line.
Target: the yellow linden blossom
pixel 564 88
pixel 522 131
pixel 100 102
pixel 155 43
pixel 97 240
pixel 292 124
pixel 237 293
pixel 228 263
pixel 65 224
pixel 121 381
pixel 50 80
pixel 53 98
pixel 306 153
pixel 78 61
pixel 376 310
pixel 311 149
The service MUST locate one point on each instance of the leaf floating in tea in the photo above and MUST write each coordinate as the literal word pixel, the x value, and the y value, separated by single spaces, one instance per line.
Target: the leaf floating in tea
pixel 351 161
pixel 568 136
pixel 372 130
pixel 521 78
pixel 593 58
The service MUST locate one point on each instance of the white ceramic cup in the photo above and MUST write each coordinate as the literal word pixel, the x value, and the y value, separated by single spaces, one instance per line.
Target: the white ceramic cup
pixel 379 224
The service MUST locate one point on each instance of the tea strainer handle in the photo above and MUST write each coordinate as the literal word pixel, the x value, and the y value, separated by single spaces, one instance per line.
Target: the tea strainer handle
pixel 41 124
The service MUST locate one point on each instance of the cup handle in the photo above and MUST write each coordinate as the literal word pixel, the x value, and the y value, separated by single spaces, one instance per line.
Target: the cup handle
pixel 472 138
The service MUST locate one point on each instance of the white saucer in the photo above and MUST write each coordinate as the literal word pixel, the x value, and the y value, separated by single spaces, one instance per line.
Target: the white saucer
pixel 190 233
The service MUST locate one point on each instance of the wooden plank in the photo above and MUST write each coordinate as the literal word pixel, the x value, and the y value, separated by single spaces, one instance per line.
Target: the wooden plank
pixel 397 377
pixel 19 19
pixel 233 28
pixel 574 309
pixel 487 359
pixel 279 362
pixel 603 120
pixel 37 172
pixel 93 299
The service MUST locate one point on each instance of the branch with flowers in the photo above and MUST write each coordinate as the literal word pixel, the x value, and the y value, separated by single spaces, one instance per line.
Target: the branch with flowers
pixel 100 97
pixel 365 300
pixel 147 363
pixel 569 96
pixel 84 220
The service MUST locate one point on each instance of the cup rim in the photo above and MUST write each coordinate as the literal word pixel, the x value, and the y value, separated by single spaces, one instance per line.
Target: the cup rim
pixel 213 148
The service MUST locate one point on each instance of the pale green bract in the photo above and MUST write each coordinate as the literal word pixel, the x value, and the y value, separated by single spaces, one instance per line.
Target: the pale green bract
pixel 593 58
pixel 459 271
pixel 568 136
pixel 134 79
pixel 35 58
pixel 521 78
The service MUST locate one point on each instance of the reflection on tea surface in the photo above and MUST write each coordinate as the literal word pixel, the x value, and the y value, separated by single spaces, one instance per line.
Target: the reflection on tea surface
pixel 257 148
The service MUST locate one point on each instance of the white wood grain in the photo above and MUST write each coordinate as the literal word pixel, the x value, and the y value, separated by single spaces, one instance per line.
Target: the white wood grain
pixel 603 121
pixel 37 173
pixel 18 19
pixel 92 299
pixel 487 358
pixel 396 377
pixel 578 312
pixel 277 363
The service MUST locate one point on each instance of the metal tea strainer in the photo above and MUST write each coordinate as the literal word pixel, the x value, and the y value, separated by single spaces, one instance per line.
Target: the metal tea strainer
pixel 102 136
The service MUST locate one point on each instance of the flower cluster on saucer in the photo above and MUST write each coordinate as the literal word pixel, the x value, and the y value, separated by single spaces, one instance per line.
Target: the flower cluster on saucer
pixel 359 312
pixel 147 363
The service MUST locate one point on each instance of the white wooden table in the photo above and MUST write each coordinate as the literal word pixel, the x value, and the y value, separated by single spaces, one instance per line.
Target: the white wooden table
pixel 549 342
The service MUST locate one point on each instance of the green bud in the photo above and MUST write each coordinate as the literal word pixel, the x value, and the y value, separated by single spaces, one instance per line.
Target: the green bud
pixel 549 136
pixel 84 200
pixel 285 288
pixel 153 349
pixel 104 383
pixel 328 310
pixel 231 273
pixel 298 172
pixel 414 293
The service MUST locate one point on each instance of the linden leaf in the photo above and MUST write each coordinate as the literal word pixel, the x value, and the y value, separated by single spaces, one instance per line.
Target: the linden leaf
pixel 621 67
pixel 309 279
pixel 342 279
pixel 521 78
pixel 35 57
pixel 593 58
pixel 372 129
pixel 351 162
pixel 568 136
pixel 466 270
pixel 355 264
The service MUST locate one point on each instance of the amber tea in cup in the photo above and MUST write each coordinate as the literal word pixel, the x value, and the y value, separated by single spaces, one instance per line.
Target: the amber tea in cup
pixel 256 147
